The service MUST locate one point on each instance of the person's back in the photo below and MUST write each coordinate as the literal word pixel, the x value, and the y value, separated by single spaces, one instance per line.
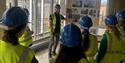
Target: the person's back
pixel 8 51
pixel 111 48
pixel 14 21
pixel 115 49
pixel 90 44
pixel 70 50
pixel 93 47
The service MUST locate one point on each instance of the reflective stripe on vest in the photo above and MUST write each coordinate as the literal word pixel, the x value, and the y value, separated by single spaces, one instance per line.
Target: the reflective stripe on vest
pixel 13 53
pixel 23 55
pixel 115 49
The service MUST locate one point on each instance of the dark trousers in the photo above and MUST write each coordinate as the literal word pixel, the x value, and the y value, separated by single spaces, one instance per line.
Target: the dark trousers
pixel 53 44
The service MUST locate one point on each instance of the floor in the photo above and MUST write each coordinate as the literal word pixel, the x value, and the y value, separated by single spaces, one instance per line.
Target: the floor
pixel 42 56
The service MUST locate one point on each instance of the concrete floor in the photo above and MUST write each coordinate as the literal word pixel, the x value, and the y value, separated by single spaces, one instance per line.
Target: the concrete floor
pixel 42 56
pixel 40 47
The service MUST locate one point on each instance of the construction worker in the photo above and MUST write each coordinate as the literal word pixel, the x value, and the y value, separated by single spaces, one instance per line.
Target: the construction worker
pixel 26 39
pixel 121 24
pixel 112 49
pixel 70 50
pixel 55 25
pixel 90 44
pixel 13 23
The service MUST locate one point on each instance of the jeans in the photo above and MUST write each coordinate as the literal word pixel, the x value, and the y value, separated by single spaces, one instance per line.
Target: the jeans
pixel 53 44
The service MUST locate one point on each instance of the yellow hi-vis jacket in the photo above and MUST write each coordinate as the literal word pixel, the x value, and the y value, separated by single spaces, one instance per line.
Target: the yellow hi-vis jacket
pixel 54 21
pixel 115 49
pixel 26 39
pixel 90 53
pixel 14 53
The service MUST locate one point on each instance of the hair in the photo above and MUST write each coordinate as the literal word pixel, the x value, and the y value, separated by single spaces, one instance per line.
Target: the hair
pixel 11 35
pixel 86 41
pixel 70 54
pixel 57 6
pixel 26 10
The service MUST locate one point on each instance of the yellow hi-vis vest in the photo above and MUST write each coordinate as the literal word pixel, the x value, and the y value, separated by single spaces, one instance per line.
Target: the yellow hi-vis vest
pixel 115 49
pixel 26 39
pixel 54 21
pixel 90 53
pixel 14 53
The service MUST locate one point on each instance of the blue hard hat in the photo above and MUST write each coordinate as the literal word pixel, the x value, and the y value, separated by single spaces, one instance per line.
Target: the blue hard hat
pixel 85 22
pixel 71 35
pixel 121 14
pixel 14 17
pixel 111 20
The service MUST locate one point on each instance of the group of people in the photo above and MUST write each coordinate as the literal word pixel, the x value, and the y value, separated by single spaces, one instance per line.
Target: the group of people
pixel 78 45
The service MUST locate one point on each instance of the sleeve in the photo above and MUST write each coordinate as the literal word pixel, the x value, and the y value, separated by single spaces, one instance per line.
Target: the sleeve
pixel 102 49
pixel 62 17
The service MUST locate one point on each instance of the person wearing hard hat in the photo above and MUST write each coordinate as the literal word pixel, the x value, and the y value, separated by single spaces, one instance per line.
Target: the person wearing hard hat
pixel 55 25
pixel 121 24
pixel 14 21
pixel 26 39
pixel 70 50
pixel 90 43
pixel 112 49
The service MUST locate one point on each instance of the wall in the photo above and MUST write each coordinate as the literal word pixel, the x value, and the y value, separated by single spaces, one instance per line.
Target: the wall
pixel 77 8
pixel 115 5
pixel 2 7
